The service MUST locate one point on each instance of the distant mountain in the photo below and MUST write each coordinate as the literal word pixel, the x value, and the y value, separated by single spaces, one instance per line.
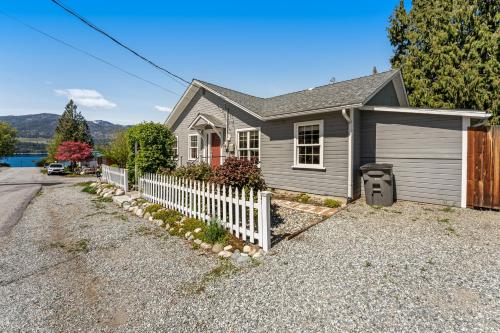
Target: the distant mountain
pixel 34 130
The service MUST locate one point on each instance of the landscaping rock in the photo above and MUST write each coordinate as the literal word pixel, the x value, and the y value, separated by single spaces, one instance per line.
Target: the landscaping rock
pixel 257 255
pixel 121 200
pixel 243 259
pixel 151 219
pixel 139 212
pixel 253 250
pixel 217 248
pixel 167 226
pixel 205 246
pixel 187 234
pixel 158 222
pixel 126 206
pixel 235 255
pixel 198 241
pixel 147 216
pixel 228 248
pixel 197 230
pixel 225 254
pixel 246 248
pixel 190 238
pixel 108 195
pixel 119 192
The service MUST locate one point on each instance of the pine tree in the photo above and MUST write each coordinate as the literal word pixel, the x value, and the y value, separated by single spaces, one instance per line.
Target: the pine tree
pixel 72 126
pixel 448 53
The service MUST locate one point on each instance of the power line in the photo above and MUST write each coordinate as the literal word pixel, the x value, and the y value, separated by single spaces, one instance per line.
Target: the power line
pixel 101 31
pixel 86 53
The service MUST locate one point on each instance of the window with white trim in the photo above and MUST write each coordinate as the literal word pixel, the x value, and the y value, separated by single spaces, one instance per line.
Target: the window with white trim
pixel 249 143
pixel 175 147
pixel 308 144
pixel 193 146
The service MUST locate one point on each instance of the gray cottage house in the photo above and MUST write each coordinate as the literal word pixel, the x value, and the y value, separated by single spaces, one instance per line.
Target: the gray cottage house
pixel 315 140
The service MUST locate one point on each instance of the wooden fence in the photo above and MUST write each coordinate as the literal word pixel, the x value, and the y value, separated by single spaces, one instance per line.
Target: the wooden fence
pixel 244 215
pixel 483 172
pixel 115 176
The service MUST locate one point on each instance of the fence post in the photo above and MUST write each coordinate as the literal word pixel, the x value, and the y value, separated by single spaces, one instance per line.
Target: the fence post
pixel 265 210
pixel 125 182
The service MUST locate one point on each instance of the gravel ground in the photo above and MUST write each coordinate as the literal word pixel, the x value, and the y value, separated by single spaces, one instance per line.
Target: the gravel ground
pixel 363 270
pixel 285 221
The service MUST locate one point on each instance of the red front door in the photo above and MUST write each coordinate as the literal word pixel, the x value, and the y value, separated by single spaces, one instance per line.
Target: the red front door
pixel 215 150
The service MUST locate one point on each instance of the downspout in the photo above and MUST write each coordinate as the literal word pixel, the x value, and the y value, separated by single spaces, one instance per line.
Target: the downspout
pixel 348 118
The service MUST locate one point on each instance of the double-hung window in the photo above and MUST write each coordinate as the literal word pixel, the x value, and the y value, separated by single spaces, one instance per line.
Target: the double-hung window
pixel 308 144
pixel 175 147
pixel 193 146
pixel 249 143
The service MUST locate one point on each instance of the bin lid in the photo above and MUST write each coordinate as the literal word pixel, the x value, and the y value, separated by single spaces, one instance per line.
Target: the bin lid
pixel 376 166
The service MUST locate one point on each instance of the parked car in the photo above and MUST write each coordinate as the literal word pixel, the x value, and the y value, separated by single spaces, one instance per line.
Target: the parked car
pixel 55 168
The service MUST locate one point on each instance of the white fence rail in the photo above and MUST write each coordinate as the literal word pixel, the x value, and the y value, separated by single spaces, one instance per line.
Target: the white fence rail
pixel 115 176
pixel 244 215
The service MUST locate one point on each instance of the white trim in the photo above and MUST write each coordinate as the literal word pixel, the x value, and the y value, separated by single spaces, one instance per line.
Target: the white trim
pixel 313 111
pixel 198 147
pixel 401 90
pixel 200 116
pixel 444 112
pixel 176 145
pixel 350 156
pixel 249 129
pixel 208 154
pixel 297 165
pixel 465 125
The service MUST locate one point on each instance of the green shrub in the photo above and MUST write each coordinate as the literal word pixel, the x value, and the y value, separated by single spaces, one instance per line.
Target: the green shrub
pixel 200 171
pixel 302 197
pixel 153 208
pixel 215 233
pixel 332 203
pixel 190 224
pixel 239 173
pixel 89 189
pixel 168 216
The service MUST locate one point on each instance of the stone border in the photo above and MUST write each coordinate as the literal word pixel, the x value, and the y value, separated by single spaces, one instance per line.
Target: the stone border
pixel 134 204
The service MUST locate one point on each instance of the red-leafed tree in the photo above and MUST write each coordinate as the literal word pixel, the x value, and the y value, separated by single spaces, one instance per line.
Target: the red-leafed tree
pixel 74 152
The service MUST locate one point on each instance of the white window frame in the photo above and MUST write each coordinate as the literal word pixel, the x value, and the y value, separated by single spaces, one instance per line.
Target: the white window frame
pixel 296 141
pixel 248 130
pixel 198 150
pixel 176 148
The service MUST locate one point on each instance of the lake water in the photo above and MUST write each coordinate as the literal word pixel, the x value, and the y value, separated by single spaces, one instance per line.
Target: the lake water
pixel 23 160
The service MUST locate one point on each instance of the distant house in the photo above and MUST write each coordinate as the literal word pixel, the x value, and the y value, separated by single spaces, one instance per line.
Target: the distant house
pixel 315 140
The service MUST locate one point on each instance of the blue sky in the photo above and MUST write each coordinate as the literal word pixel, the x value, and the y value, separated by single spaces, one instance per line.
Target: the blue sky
pixel 262 48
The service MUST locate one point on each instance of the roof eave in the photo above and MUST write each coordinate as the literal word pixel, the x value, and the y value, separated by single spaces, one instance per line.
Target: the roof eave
pixel 313 111
pixel 448 112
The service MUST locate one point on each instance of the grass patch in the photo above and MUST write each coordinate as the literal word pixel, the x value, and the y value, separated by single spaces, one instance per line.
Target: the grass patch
pixel 215 233
pixel 302 197
pixel 144 230
pixel 103 199
pixel 368 264
pixel 152 208
pixel 89 189
pixel 443 220
pixel 83 183
pixel 450 230
pixel 447 209
pixel 224 269
pixel 168 216
pixel 81 245
pixel 376 207
pixel 332 203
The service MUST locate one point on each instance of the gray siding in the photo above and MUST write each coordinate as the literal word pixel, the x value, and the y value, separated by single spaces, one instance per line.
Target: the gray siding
pixel 277 157
pixel 386 96
pixel 426 151
pixel 277 146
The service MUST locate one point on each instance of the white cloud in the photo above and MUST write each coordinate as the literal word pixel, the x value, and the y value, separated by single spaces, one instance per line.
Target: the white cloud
pixel 163 108
pixel 86 97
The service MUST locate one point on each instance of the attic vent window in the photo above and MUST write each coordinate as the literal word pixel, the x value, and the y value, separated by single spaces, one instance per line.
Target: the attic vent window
pixel 203 91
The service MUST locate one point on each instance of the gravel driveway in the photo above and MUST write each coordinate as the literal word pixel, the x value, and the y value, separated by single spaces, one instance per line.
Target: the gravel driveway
pixel 73 264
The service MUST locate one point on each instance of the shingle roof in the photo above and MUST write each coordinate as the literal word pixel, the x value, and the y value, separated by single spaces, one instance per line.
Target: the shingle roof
pixel 349 92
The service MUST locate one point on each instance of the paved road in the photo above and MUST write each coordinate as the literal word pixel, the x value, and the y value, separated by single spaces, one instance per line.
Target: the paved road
pixel 17 187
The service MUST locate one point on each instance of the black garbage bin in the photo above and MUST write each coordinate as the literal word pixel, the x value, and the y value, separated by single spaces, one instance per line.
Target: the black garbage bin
pixel 378 181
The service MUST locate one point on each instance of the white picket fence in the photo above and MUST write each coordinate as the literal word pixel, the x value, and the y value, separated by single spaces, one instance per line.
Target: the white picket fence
pixel 246 218
pixel 115 176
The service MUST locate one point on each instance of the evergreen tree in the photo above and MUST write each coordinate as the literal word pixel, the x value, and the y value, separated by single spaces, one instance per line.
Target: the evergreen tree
pixel 448 52
pixel 72 126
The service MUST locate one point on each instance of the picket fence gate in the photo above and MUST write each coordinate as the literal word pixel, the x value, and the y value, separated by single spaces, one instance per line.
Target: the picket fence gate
pixel 115 176
pixel 245 216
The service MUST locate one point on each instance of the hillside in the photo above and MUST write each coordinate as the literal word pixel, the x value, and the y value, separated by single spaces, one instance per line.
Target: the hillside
pixel 35 130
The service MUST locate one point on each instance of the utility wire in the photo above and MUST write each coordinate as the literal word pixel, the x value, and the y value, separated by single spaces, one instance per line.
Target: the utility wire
pixel 86 53
pixel 96 28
